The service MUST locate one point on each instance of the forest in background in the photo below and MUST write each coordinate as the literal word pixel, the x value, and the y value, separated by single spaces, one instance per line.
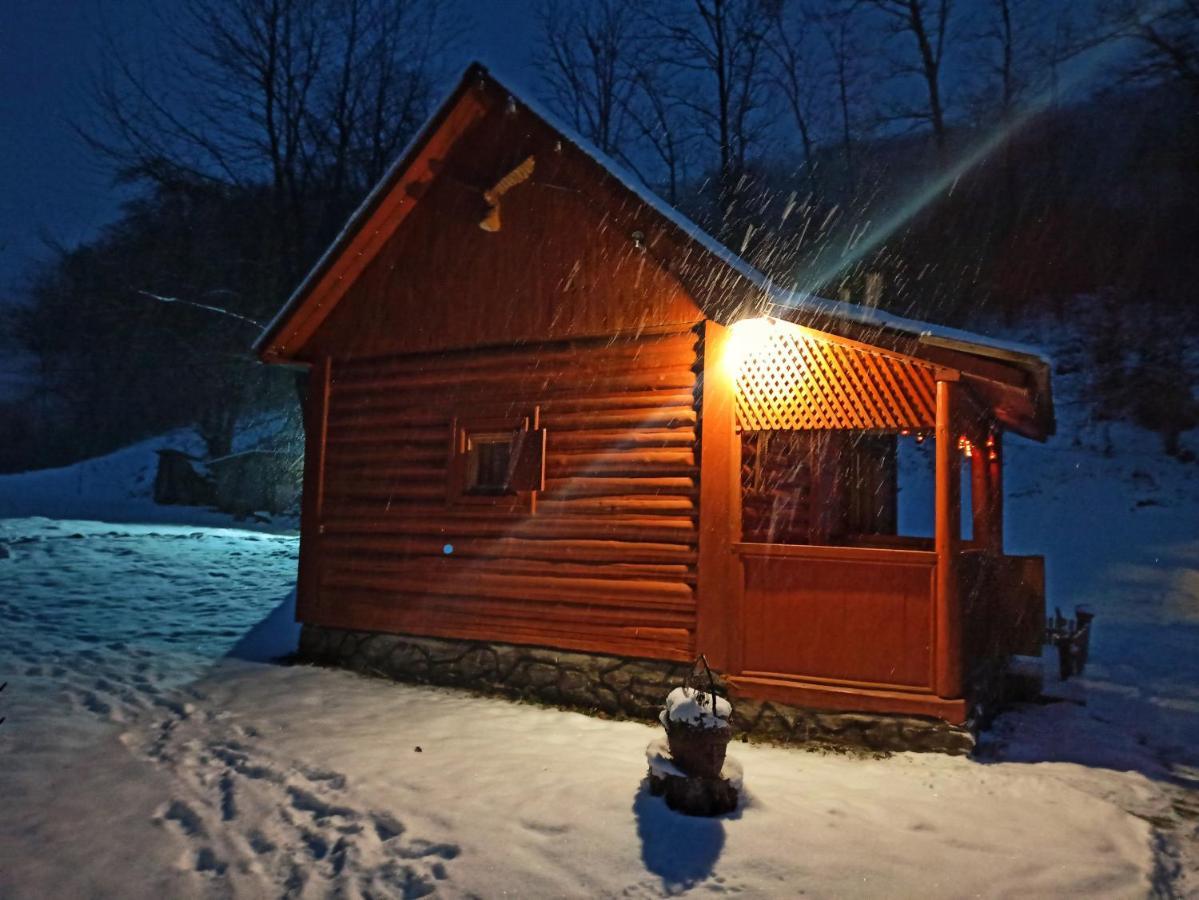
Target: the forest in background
pixel 975 163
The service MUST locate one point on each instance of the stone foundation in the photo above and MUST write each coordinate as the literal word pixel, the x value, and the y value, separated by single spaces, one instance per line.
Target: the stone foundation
pixel 611 686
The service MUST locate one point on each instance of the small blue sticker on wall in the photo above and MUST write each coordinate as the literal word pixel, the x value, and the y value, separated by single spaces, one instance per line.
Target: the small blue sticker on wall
pixel 447 549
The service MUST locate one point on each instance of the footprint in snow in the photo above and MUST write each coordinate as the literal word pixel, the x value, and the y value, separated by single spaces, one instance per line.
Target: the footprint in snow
pixel 186 818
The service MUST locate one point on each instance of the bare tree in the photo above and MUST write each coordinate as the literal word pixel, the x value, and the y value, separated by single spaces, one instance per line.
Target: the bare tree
pixel 925 23
pixel 718 47
pixel 254 128
pixel 838 28
pixel 587 61
pixel 658 114
pixel 795 73
pixel 309 98
pixel 1166 36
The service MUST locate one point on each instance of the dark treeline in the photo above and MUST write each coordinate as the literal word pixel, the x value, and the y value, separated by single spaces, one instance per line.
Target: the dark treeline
pixel 253 134
pixel 969 162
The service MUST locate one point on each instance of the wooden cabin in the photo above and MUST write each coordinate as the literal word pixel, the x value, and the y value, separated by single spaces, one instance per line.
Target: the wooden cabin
pixel 544 409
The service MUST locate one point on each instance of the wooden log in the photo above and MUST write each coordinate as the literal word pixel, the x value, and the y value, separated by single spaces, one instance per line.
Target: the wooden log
pixel 383 475
pixel 533 613
pixel 648 643
pixel 342 500
pixel 647 417
pixel 678 347
pixel 517 385
pixel 598 486
pixel 516 548
pixel 372 459
pixel 417 407
pixel 439 564
pixel 421 521
pixel 384 436
pixel 570 468
pixel 471 582
pixel 616 458
pixel 621 505
pixel 618 438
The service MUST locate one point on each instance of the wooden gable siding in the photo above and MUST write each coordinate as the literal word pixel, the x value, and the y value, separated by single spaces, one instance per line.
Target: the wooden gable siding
pixel 606 562
pixel 563 264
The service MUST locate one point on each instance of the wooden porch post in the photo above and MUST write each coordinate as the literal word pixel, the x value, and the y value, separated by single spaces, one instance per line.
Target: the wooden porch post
pixel 719 585
pixel 980 497
pixel 948 630
pixel 995 494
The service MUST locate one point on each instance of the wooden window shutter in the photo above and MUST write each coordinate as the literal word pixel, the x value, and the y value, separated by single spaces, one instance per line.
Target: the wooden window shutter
pixel 526 465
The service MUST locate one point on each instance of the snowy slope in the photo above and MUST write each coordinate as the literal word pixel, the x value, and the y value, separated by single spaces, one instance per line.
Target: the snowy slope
pixel 118 487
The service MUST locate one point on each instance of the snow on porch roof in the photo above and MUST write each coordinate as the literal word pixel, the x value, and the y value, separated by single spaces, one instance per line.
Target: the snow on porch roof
pixel 769 298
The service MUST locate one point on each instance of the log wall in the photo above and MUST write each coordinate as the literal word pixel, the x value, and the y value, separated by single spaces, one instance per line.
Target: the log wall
pixel 606 559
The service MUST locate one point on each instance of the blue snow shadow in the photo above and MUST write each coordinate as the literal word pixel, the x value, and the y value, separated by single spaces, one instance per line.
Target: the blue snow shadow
pixel 681 850
pixel 276 636
pixel 1135 713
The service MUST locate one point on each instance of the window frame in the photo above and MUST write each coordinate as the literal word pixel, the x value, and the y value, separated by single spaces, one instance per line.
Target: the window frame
pixel 459 475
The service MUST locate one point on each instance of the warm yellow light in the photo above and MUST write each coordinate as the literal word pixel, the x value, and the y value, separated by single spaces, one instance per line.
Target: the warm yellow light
pixel 746 337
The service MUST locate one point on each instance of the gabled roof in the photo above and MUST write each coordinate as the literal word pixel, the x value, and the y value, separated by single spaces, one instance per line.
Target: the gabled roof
pixel 1010 376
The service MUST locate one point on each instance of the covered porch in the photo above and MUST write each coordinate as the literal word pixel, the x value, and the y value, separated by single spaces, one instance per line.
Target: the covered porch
pixel 817 599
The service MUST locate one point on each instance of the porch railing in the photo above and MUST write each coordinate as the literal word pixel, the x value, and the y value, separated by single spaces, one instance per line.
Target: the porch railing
pixel 864 617
pixel 846 616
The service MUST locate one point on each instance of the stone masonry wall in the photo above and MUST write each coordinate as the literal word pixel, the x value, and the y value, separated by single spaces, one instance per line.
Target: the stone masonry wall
pixel 608 685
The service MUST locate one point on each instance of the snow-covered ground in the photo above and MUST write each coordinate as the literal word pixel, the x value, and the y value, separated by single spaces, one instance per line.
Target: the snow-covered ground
pixel 149 751
pixel 141 761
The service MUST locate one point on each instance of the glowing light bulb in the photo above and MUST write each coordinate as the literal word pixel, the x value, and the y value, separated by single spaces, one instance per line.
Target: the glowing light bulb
pixel 746 338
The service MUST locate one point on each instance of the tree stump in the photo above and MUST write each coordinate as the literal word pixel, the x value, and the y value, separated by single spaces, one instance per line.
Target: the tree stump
pixel 688 794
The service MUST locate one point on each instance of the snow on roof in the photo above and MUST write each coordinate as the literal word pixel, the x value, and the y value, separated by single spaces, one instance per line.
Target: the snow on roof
pixel 776 294
pixel 783 298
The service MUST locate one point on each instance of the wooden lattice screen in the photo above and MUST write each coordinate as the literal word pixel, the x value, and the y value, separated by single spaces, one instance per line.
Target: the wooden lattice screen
pixel 791 380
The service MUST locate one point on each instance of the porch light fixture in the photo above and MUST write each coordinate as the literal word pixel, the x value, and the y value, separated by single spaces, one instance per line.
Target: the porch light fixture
pixel 746 338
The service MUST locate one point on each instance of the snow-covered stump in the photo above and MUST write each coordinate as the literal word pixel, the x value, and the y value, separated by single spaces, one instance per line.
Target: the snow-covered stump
pixel 692 795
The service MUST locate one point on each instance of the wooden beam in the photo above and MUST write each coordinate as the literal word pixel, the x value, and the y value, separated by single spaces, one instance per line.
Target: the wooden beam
pixel 316 428
pixel 718 625
pixel 809 695
pixel 995 492
pixel 947 540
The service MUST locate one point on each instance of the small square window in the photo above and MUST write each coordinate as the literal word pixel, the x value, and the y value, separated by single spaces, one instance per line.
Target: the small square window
pixel 488 459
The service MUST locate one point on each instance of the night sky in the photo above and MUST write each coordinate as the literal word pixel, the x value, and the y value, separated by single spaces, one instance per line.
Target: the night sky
pixel 51 186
